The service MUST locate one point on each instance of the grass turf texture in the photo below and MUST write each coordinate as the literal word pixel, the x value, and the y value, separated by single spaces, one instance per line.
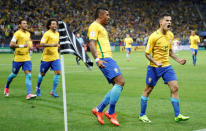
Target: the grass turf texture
pixel 86 89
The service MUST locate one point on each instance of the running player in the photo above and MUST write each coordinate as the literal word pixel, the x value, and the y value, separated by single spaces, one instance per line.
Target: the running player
pixel 50 56
pixel 128 41
pixel 194 40
pixel 21 43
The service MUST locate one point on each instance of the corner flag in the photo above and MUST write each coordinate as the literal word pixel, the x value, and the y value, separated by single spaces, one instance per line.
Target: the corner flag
pixel 70 45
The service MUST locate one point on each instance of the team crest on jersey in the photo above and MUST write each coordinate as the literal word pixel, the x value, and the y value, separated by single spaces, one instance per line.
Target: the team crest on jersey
pixel 116 70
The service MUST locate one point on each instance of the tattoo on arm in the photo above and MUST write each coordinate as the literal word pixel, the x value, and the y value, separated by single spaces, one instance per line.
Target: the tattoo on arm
pixel 148 56
pixel 174 57
pixel 93 48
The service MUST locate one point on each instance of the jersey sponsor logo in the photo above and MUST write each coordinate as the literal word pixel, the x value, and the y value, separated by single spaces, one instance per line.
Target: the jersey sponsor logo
pixel 92 34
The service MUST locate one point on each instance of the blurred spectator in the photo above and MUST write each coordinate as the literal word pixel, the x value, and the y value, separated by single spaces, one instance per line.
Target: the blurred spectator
pixel 136 17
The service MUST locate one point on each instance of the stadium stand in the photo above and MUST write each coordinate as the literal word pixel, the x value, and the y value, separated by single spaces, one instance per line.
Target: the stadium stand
pixel 139 18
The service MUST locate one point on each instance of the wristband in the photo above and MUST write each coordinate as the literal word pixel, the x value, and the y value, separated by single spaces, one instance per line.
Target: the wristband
pixel 97 59
pixel 21 46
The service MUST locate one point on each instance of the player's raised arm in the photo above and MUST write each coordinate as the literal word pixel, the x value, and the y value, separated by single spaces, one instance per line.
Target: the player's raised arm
pixel 181 61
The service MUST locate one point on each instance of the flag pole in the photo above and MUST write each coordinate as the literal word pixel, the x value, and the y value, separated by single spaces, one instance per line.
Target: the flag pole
pixel 64 93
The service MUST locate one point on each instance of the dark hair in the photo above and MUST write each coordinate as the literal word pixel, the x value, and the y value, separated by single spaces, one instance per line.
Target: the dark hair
pixel 21 21
pixel 49 22
pixel 98 10
pixel 163 15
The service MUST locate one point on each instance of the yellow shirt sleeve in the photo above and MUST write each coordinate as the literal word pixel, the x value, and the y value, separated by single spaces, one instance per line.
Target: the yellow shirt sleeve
pixel 30 44
pixel 198 39
pixel 150 44
pixel 131 40
pixel 15 37
pixel 45 38
pixel 93 32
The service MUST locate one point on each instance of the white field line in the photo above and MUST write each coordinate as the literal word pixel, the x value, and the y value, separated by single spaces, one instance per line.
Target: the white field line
pixel 201 130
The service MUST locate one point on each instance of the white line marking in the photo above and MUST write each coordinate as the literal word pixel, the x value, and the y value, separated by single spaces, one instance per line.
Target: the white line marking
pixel 201 130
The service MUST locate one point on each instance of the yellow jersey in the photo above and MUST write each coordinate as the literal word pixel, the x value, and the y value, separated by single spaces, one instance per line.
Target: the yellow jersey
pixel 128 41
pixel 50 53
pixel 160 44
pixel 21 38
pixel 97 32
pixel 193 41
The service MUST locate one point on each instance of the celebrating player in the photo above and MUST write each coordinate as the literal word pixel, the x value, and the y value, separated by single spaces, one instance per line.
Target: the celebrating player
pixel 21 43
pixel 50 56
pixel 101 51
pixel 194 40
pixel 128 41
pixel 160 44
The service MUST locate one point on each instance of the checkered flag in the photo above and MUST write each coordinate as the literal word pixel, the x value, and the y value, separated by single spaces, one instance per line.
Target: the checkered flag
pixel 70 45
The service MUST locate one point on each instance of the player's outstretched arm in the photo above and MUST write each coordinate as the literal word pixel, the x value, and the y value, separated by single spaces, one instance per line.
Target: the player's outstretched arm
pixel 148 56
pixel 94 54
pixel 181 61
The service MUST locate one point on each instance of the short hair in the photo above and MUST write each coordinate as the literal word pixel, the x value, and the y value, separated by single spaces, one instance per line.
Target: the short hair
pixel 98 10
pixel 49 22
pixel 21 21
pixel 163 15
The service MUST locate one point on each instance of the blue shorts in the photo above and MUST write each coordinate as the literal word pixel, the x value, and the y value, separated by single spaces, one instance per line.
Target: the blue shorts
pixel 194 50
pixel 111 69
pixel 55 66
pixel 128 49
pixel 154 73
pixel 26 66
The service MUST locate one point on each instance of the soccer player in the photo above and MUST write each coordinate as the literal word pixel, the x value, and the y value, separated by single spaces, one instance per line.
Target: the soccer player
pixel 128 41
pixel 21 43
pixel 160 44
pixel 194 40
pixel 50 56
pixel 101 51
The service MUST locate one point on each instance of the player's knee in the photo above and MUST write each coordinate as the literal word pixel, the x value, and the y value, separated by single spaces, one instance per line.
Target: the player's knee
pixel 174 89
pixel 57 72
pixel 121 82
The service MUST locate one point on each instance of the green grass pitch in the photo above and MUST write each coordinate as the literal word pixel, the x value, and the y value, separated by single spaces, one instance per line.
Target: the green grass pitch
pixel 86 89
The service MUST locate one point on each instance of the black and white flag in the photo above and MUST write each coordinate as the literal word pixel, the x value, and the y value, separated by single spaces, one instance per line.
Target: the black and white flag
pixel 70 45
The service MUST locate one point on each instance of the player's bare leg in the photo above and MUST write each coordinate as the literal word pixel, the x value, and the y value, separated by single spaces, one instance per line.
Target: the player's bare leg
pixel 175 101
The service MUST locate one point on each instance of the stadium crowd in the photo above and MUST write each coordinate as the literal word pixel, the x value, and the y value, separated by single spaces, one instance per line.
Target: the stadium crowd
pixel 136 17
